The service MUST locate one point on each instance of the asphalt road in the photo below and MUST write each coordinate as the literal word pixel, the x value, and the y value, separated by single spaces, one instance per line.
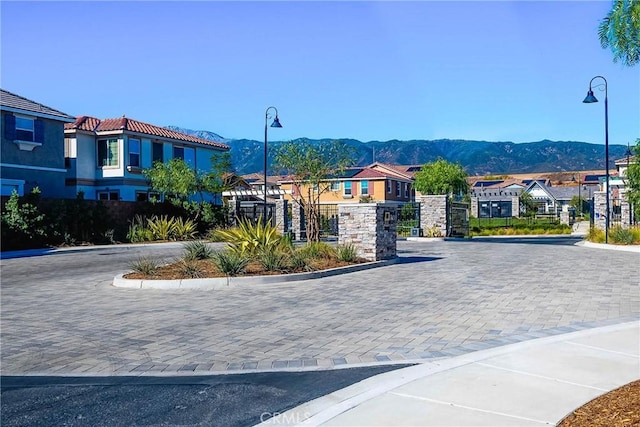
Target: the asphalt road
pixel 221 400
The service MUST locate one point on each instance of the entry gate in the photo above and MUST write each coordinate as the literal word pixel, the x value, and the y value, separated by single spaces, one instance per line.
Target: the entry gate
pixel 458 219
pixel 254 211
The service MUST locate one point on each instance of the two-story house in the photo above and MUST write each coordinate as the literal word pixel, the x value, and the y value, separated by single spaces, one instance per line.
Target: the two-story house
pixel 32 150
pixel 105 158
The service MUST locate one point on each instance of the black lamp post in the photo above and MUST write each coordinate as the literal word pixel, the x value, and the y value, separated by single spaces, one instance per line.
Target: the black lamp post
pixel 573 178
pixel 588 100
pixel 275 124
pixel 626 180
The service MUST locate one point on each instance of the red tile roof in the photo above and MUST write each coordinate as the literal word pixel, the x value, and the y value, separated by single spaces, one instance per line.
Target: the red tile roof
pixel 92 124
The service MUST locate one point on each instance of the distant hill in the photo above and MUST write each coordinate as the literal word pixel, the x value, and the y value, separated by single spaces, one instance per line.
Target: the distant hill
pixel 477 157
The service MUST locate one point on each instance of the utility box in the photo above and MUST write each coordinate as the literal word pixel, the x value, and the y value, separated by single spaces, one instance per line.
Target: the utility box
pixel 416 232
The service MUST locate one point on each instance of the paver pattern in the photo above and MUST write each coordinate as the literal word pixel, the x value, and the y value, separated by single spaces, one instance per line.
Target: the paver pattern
pixel 444 299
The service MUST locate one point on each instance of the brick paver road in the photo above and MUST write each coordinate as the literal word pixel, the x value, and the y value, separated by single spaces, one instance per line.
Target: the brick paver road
pixel 447 298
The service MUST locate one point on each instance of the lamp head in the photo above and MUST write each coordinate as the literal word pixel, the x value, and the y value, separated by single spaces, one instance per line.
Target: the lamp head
pixel 590 98
pixel 276 123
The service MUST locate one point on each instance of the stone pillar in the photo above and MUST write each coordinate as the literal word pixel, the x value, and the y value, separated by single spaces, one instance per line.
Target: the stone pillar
pixel 296 221
pixel 564 215
pixel 625 209
pixel 515 206
pixel 433 215
pixel 282 214
pixel 370 227
pixel 474 207
pixel 234 208
pixel 600 209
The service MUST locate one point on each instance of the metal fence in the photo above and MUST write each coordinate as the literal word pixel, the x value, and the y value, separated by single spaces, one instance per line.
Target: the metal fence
pixel 253 212
pixel 408 218
pixel 458 219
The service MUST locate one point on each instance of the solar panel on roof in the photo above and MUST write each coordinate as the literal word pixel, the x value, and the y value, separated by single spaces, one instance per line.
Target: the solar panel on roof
pixel 486 183
pixel 414 169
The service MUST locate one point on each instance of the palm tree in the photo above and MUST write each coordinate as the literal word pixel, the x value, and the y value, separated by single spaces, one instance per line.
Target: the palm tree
pixel 620 31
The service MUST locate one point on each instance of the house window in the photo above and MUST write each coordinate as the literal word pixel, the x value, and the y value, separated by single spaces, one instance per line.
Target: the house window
pixel 406 190
pixel 145 196
pixel 389 186
pixel 108 152
pixel 187 154
pixel 364 188
pixel 158 152
pixel 335 186
pixel 398 189
pixel 108 195
pixel 347 188
pixel 25 129
pixel 134 152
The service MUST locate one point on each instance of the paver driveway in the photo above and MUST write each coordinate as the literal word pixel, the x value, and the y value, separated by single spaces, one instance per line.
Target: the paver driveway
pixel 447 298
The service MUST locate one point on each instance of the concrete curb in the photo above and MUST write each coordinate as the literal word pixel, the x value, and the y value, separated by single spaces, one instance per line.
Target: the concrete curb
pixel 219 283
pixel 611 247
pixel 325 408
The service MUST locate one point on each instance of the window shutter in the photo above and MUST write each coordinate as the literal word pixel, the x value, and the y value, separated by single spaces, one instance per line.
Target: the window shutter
pixel 38 128
pixel 10 127
pixel 372 185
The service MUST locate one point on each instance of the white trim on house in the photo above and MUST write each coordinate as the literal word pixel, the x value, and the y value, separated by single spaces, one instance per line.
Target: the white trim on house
pixel 35 168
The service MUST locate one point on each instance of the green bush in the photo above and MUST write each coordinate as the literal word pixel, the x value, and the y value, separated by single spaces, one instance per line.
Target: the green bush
pixel 298 261
pixel 620 236
pixel 145 265
pixel 185 229
pixel 23 224
pixel 138 230
pixel 191 270
pixel 197 250
pixel 248 238
pixel 347 253
pixel 317 250
pixel 162 227
pixel 273 260
pixel 231 262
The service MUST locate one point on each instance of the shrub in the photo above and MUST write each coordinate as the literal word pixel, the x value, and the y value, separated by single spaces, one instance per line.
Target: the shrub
pixel 23 225
pixel 185 229
pixel 622 236
pixel 197 250
pixel 231 262
pixel 191 270
pixel 272 260
pixel 144 265
pixel 138 230
pixel 163 227
pixel 249 238
pixel 317 250
pixel 298 261
pixel 347 253
pixel 596 235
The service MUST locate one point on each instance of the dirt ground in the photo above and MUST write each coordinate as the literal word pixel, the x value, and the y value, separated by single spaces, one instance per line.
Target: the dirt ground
pixel 618 408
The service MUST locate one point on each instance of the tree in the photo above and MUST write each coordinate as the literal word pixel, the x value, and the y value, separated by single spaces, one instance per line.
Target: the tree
pixel 309 166
pixel 179 183
pixel 633 180
pixel 442 177
pixel 620 31
pixel 527 204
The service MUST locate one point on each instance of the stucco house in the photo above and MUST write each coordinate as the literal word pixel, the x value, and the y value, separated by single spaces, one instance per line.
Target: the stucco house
pixel 32 153
pixel 105 158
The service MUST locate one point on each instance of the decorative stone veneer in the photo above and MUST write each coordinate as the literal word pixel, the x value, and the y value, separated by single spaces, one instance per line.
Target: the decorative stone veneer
pixel 282 216
pixel 600 209
pixel 370 227
pixel 515 206
pixel 433 214
pixel 474 207
pixel 625 209
pixel 564 215
pixel 296 221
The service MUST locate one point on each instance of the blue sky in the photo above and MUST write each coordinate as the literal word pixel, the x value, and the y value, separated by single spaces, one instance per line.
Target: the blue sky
pixel 496 71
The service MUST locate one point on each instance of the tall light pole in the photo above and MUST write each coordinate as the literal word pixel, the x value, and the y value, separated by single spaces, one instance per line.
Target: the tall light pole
pixel 588 100
pixel 275 124
pixel 573 178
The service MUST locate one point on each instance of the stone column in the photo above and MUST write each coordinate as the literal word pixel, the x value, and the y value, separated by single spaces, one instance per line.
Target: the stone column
pixel 515 206
pixel 564 215
pixel 600 209
pixel 625 209
pixel 433 215
pixel 282 220
pixel 474 207
pixel 296 221
pixel 370 227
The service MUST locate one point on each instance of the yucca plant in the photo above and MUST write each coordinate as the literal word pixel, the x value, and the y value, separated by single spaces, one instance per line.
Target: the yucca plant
pixel 231 262
pixel 145 265
pixel 138 230
pixel 347 252
pixel 185 229
pixel 162 227
pixel 248 238
pixel 197 250
pixel 298 261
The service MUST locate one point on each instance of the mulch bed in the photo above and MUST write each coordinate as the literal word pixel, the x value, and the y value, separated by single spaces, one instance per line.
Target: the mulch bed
pixel 618 408
pixel 207 269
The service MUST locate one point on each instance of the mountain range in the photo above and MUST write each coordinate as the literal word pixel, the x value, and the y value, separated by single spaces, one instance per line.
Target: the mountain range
pixel 477 157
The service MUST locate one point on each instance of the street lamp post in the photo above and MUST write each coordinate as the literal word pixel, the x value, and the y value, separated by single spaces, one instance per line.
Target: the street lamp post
pixel 588 100
pixel 275 124
pixel 573 178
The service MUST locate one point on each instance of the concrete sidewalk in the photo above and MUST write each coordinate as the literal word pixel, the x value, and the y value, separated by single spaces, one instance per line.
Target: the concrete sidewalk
pixel 537 382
